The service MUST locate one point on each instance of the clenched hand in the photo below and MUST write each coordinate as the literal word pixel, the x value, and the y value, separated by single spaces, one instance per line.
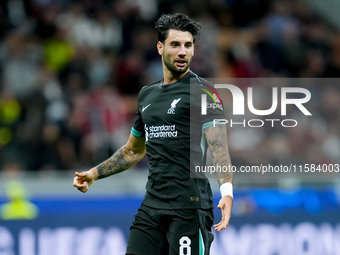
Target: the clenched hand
pixel 82 181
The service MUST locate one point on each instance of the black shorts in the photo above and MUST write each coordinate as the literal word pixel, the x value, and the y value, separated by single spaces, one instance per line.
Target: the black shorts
pixel 171 232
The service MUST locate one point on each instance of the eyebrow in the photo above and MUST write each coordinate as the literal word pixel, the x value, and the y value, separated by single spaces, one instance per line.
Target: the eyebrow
pixel 179 42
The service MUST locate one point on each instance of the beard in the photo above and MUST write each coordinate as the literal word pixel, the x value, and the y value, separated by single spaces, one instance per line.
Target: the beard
pixel 173 68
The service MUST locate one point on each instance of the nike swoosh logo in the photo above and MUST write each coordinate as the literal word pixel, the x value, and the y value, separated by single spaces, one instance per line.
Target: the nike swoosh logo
pixel 143 109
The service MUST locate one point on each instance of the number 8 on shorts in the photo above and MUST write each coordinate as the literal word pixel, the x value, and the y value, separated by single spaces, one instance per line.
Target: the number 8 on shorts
pixel 184 248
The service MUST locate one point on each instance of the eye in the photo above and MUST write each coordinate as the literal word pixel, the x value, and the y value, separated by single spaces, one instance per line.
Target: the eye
pixel 188 45
pixel 174 44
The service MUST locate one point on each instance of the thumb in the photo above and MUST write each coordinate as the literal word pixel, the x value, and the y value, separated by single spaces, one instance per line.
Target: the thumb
pixel 82 174
pixel 220 204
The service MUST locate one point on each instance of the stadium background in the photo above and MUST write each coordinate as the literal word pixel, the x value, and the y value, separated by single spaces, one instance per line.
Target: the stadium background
pixel 70 72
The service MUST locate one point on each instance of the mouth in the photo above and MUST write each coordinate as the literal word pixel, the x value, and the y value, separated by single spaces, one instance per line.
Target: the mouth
pixel 181 62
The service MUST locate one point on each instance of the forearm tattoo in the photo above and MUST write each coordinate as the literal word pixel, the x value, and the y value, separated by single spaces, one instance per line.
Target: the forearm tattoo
pixel 113 165
pixel 218 144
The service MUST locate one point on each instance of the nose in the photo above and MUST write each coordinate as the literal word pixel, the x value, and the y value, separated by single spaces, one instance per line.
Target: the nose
pixel 182 52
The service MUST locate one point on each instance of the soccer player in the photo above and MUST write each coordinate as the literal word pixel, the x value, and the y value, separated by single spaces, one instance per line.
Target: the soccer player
pixel 176 215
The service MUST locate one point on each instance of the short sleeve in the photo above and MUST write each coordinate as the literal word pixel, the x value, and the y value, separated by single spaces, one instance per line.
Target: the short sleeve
pixel 138 126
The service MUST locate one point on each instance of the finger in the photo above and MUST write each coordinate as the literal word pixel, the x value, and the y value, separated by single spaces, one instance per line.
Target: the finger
pixel 220 205
pixel 78 182
pixel 82 174
pixel 218 227
pixel 79 185
pixel 218 224
pixel 83 188
pixel 222 225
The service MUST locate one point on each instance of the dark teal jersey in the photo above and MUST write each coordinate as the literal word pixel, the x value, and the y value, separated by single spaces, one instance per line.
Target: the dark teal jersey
pixel 170 119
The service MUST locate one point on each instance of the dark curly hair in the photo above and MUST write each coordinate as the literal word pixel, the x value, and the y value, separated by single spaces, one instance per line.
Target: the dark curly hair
pixel 177 21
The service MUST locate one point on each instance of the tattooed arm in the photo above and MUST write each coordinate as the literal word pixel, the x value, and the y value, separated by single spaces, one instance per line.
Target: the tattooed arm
pixel 127 156
pixel 218 145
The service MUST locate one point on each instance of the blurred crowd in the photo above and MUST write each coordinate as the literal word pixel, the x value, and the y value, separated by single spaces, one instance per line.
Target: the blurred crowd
pixel 70 73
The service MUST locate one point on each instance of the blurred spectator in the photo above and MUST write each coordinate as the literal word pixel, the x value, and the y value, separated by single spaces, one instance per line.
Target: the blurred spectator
pixel 99 68
pixel 130 71
pixel 18 207
pixel 19 54
pixel 103 31
pixel 56 108
pixel 15 12
pixel 58 51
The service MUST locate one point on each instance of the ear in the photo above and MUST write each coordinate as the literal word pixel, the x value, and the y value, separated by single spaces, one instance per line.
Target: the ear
pixel 160 48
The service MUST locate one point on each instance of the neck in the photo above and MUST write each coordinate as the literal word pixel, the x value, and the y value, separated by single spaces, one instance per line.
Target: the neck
pixel 169 77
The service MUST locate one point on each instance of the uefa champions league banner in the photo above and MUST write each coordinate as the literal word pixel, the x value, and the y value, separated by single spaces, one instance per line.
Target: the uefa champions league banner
pixel 39 237
pixel 265 226
pixel 262 239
